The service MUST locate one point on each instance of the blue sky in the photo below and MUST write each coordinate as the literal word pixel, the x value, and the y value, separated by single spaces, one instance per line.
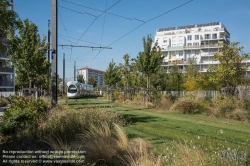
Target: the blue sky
pixel 81 22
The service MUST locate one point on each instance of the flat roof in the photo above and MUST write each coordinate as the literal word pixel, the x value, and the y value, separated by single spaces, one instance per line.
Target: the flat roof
pixel 87 68
pixel 189 26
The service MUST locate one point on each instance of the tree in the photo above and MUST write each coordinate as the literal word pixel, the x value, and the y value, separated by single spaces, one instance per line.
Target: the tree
pixel 125 71
pixel 7 23
pixel 80 78
pixel 159 80
pixel 30 63
pixel 174 79
pixel 92 81
pixel 149 61
pixel 112 74
pixel 230 71
pixel 192 76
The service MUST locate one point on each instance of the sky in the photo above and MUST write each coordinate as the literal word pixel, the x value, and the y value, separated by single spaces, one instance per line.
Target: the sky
pixel 125 23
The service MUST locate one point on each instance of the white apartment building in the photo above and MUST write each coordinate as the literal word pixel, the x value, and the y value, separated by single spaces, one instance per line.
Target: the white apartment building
pixel 200 41
pixel 7 75
pixel 88 73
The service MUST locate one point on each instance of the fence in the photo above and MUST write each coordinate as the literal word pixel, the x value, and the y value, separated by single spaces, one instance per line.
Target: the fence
pixel 8 94
pixel 210 94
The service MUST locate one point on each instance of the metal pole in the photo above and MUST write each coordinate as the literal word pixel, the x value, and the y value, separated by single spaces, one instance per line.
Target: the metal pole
pixel 75 71
pixel 63 73
pixel 54 52
pixel 48 83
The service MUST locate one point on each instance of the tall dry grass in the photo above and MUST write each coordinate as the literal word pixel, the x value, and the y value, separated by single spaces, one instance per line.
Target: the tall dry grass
pixel 109 145
pixel 190 105
pixel 223 107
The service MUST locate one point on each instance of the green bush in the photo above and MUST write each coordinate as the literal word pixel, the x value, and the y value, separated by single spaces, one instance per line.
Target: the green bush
pixel 22 116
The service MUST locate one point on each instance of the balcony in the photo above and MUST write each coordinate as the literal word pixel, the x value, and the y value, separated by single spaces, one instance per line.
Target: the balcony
pixel 192 47
pixel 209 45
pixel 6 69
pixel 6 83
pixel 172 48
pixel 207 54
pixel 4 56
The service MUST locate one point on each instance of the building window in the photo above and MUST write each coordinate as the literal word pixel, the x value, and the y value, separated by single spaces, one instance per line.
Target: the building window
pixel 207 36
pixel 189 37
pixel 180 38
pixel 174 39
pixel 214 36
pixel 196 44
pixel 196 37
pixel 196 52
pixel 165 40
pixel 181 53
pixel 189 44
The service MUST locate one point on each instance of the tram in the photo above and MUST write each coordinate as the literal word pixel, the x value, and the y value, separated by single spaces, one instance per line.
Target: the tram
pixel 76 89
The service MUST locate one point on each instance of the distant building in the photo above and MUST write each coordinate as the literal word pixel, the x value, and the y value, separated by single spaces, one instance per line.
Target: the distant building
pixel 97 74
pixel 200 41
pixel 7 75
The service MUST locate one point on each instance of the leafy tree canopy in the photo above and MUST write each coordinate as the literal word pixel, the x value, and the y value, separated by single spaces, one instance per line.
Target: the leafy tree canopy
pixel 92 81
pixel 30 63
pixel 112 74
pixel 230 71
pixel 149 61
pixel 80 78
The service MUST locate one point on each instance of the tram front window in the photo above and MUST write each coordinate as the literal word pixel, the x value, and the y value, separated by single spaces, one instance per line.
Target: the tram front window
pixel 72 89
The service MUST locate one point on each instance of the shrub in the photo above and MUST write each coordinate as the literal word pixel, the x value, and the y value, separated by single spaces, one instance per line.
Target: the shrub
pixel 164 102
pixel 190 105
pixel 3 102
pixel 238 114
pixel 118 95
pixel 23 115
pixel 224 106
pixel 149 105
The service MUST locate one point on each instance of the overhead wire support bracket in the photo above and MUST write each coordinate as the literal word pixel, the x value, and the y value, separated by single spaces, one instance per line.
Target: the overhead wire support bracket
pixel 67 45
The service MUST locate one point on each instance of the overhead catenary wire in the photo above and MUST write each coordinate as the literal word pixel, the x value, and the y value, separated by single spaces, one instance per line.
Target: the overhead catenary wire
pixel 76 11
pixel 104 22
pixel 62 36
pixel 143 24
pixel 96 19
pixel 102 11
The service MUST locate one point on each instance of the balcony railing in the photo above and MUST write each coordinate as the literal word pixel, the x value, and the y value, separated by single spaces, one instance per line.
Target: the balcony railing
pixel 3 55
pixel 10 1
pixel 208 54
pixel 193 46
pixel 209 45
pixel 173 48
pixel 6 83
pixel 6 69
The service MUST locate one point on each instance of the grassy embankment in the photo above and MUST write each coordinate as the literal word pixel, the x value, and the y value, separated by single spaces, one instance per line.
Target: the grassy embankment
pixel 162 128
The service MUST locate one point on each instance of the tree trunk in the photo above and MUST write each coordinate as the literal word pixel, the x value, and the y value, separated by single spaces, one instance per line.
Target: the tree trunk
pixel 30 87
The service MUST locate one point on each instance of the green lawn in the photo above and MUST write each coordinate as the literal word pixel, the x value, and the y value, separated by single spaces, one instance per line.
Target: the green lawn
pixel 161 127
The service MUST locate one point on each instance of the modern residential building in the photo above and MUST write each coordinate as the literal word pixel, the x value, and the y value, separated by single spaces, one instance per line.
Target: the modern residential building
pixel 7 74
pixel 200 41
pixel 88 73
